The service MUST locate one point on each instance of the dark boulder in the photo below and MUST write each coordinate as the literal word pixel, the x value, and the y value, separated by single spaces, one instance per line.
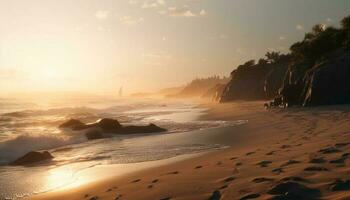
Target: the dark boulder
pixel 151 128
pixel 33 157
pixel 72 124
pixel 108 125
pixel 94 135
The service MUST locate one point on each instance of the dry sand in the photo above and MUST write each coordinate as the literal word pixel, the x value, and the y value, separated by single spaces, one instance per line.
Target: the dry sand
pixel 283 153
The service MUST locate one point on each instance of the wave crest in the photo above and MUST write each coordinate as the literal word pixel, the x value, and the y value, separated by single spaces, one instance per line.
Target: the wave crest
pixel 13 148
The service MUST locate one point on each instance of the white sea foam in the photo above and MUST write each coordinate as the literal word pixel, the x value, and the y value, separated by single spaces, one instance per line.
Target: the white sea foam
pixel 17 146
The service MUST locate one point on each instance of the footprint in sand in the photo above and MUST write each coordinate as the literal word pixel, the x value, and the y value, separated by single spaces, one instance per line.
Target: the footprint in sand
pixel 290 162
pixel 277 171
pixel 329 150
pixel 340 145
pixel 150 186
pixel 155 180
pixel 135 181
pixel 340 160
pixel 285 146
pixel 219 163
pixel 198 167
pixel 94 198
pixel 166 198
pixel 270 153
pixel 262 180
pixel 294 179
pixel 109 190
pixel 318 160
pixel 223 187
pixel 315 168
pixel 173 173
pixel 239 164
pixel 250 153
pixel 264 163
pixel 233 158
pixel 345 155
pixel 244 191
pixel 229 179
pixel 216 195
pixel 250 196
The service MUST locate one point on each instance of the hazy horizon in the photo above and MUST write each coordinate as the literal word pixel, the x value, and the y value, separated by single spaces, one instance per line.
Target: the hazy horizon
pixel 97 46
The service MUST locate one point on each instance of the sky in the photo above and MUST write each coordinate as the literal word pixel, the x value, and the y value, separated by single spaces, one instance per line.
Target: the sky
pixel 97 46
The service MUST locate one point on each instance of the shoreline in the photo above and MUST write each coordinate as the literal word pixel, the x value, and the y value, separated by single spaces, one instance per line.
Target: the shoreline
pixel 274 146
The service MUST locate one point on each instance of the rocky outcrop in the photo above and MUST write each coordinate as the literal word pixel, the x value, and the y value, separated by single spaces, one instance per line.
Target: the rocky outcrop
pixel 274 80
pixel 326 83
pixel 33 157
pixel 318 72
pixel 94 135
pixel 106 126
pixel 72 124
pixel 252 81
pixel 151 128
pixel 247 83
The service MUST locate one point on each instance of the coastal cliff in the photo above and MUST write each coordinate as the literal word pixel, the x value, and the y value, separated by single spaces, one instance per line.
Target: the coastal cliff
pixel 256 81
pixel 315 72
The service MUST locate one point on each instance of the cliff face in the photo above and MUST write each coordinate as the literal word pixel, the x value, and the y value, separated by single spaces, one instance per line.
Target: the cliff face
pixel 315 72
pixel 325 83
pixel 254 81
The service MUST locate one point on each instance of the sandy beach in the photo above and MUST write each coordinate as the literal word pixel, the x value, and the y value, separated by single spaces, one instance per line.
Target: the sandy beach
pixel 278 150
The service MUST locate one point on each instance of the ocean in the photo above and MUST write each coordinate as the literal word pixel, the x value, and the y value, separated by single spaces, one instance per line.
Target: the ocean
pixel 30 126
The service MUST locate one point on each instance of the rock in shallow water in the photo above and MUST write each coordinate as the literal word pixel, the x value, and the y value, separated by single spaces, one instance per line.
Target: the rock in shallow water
pixel 94 135
pixel 32 158
pixel 72 124
pixel 107 126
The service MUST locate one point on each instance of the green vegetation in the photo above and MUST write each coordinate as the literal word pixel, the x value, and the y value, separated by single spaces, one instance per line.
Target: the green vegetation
pixel 315 72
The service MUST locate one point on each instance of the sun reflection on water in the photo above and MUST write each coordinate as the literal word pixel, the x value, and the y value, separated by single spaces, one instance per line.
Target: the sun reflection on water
pixel 59 177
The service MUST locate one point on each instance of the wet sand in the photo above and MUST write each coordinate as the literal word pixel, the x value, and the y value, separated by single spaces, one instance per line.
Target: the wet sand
pixel 295 153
